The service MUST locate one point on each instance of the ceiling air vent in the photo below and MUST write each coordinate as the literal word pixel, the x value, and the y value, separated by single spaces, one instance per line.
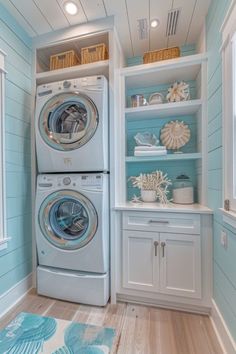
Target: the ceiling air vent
pixel 142 28
pixel 172 22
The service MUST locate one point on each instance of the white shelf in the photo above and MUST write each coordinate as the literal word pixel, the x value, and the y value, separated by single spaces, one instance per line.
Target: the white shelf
pixel 171 207
pixel 147 75
pixel 96 68
pixel 164 110
pixel 168 157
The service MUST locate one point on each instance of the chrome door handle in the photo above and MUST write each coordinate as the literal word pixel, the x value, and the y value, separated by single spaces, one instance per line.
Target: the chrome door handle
pixel 158 222
pixel 163 244
pixel 156 243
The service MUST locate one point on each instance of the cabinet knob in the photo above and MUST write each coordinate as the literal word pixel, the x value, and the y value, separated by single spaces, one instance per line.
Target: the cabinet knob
pixel 163 244
pixel 156 243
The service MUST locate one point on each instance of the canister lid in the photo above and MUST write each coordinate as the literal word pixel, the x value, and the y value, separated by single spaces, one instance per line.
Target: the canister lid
pixel 182 176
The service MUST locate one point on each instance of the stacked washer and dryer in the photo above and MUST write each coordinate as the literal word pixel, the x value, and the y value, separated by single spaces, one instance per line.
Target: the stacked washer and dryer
pixel 72 199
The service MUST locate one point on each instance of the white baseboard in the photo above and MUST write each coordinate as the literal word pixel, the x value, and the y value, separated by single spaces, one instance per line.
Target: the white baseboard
pixel 224 336
pixel 15 294
pixel 170 305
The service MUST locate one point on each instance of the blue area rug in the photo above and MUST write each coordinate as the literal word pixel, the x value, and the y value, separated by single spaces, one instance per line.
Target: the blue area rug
pixel 32 334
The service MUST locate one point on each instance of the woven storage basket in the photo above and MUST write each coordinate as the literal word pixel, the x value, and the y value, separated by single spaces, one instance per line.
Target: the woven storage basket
pixel 163 54
pixel 94 53
pixel 64 60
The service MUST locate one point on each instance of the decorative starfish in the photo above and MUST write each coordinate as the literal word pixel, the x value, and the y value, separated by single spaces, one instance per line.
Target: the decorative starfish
pixel 136 199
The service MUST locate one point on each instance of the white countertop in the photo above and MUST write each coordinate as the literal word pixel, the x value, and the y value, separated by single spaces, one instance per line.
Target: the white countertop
pixel 171 207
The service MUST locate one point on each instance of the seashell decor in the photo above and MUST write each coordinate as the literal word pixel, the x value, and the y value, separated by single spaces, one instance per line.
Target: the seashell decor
pixel 146 139
pixel 179 91
pixel 175 134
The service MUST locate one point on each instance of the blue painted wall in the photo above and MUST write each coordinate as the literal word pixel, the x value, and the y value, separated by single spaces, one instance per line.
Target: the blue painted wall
pixel 15 261
pixel 224 260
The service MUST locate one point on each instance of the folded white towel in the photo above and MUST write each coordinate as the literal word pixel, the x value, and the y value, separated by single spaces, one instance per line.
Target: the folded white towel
pixel 150 153
pixel 150 148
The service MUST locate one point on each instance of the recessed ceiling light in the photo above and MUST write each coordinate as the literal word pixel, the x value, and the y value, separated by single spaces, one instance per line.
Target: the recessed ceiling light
pixel 155 23
pixel 70 7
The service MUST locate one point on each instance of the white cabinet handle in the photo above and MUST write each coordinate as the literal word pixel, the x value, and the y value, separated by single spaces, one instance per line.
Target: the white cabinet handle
pixel 163 244
pixel 158 222
pixel 156 243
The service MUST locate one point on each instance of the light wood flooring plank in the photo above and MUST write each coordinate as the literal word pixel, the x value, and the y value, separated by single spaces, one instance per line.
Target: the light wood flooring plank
pixel 63 310
pixel 139 329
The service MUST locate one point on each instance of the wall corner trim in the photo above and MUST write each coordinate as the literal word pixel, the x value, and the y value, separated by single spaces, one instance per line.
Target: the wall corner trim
pixel 223 334
pixel 10 298
pixel 228 13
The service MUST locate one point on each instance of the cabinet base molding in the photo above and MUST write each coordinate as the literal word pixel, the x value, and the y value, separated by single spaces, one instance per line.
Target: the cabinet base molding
pixel 226 340
pixel 205 310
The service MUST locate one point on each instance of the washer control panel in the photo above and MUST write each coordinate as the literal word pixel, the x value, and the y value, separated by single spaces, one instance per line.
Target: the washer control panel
pixel 91 180
pixel 76 181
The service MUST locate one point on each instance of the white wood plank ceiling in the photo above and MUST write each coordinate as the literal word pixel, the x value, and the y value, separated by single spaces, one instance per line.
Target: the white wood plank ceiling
pixel 42 16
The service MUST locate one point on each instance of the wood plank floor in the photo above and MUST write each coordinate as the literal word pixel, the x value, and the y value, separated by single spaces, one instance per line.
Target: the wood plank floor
pixel 140 329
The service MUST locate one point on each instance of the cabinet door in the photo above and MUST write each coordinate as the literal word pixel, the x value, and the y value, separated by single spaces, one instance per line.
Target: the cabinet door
pixel 140 260
pixel 180 265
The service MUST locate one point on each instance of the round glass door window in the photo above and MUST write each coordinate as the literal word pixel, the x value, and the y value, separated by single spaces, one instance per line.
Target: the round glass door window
pixel 68 220
pixel 68 121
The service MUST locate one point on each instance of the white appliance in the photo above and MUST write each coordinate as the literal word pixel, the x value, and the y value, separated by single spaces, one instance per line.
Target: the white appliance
pixel 72 236
pixel 71 125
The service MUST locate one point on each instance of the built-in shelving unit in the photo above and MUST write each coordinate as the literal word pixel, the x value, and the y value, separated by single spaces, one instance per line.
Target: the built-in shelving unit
pixel 157 77
pixel 164 110
pixel 169 157
pixel 97 68
pixel 45 75
pixel 184 68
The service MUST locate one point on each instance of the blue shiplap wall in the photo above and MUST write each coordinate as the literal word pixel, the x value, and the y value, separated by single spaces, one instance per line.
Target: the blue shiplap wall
pixel 15 261
pixel 224 260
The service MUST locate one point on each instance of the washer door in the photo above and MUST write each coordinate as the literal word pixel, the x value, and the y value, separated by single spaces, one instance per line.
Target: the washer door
pixel 68 121
pixel 68 219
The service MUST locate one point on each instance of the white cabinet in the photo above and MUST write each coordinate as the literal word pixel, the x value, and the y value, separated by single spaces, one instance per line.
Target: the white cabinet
pixel 180 266
pixel 163 262
pixel 140 260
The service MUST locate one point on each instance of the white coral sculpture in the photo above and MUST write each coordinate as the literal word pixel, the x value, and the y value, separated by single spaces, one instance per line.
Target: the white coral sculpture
pixel 179 91
pixel 157 181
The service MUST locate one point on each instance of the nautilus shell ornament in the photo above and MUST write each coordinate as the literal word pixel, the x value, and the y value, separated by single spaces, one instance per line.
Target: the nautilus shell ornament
pixel 175 134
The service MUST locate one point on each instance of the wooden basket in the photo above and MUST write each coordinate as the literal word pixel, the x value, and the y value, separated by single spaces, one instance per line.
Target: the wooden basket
pixel 94 53
pixel 163 54
pixel 64 60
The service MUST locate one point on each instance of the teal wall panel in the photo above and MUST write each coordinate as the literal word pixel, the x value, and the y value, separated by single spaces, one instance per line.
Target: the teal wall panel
pixel 16 260
pixel 224 279
pixel 172 168
pixel 163 89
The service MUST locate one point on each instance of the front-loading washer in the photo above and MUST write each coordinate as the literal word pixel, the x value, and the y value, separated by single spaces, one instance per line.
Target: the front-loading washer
pixel 71 125
pixel 72 237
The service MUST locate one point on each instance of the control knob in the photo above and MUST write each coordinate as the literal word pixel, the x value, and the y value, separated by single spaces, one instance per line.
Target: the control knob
pixel 66 181
pixel 66 84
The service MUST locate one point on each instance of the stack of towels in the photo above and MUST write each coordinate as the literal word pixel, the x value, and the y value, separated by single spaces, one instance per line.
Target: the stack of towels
pixel 153 150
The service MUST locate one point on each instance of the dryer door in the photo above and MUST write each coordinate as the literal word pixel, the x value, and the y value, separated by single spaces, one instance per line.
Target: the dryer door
pixel 68 121
pixel 68 219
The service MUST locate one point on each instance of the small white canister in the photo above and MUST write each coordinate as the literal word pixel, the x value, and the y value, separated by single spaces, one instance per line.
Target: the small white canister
pixel 183 192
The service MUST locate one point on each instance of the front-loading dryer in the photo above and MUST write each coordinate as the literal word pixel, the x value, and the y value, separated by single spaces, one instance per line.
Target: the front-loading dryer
pixel 71 125
pixel 72 237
